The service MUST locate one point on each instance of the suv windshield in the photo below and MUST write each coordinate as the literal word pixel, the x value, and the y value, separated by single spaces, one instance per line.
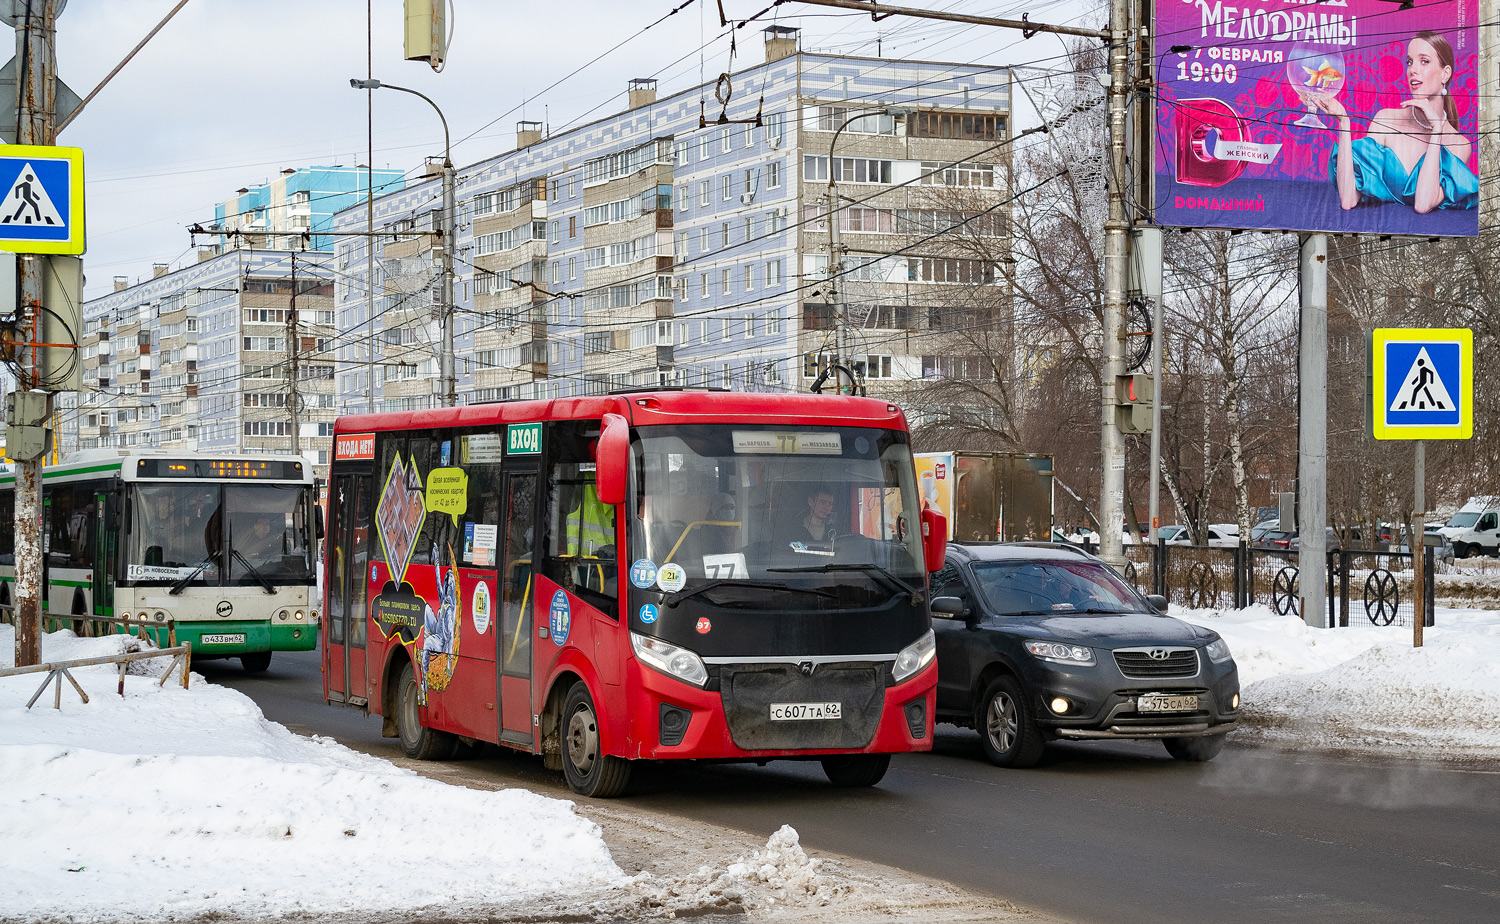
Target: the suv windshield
pixel 814 506
pixel 1013 588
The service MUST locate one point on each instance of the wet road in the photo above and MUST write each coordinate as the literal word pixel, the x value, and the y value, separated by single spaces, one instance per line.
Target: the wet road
pixel 1098 833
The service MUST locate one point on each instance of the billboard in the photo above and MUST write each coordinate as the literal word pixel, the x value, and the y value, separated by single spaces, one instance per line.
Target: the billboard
pixel 1342 115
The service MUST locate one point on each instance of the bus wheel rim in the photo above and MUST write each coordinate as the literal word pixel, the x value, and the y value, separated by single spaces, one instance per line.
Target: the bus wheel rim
pixel 583 740
pixel 410 725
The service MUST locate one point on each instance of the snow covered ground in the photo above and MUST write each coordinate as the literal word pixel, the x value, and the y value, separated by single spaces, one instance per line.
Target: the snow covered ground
pixel 188 805
pixel 1366 689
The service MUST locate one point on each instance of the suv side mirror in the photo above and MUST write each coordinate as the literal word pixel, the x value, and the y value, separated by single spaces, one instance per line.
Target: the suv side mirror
pixel 1158 602
pixel 949 607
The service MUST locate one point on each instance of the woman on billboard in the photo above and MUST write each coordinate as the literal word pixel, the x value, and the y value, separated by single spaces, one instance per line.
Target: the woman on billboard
pixel 1391 163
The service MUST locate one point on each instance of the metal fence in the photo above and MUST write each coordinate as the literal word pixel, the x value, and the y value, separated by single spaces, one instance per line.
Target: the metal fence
pixel 1364 588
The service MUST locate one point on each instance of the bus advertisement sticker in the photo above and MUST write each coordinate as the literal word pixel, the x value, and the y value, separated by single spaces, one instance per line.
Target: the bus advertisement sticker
pixel 399 612
pixel 481 607
pixel 649 612
pixel 704 625
pixel 671 577
pixel 643 573
pixel 559 618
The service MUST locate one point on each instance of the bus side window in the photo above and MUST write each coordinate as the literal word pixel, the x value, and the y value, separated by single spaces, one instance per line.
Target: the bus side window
pixel 581 530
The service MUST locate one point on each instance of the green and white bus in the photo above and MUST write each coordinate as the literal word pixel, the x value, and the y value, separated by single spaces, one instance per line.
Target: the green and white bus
pixel 222 545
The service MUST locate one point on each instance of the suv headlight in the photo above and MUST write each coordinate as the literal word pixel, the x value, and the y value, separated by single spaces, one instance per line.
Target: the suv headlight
pixel 1061 652
pixel 914 657
pixel 1218 650
pixel 673 660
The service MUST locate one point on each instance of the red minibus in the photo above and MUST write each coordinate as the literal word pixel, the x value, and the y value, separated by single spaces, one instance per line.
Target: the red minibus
pixel 650 575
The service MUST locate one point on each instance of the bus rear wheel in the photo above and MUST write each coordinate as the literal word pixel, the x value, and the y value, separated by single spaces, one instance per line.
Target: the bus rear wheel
pixel 856 769
pixel 588 771
pixel 418 741
pixel 255 662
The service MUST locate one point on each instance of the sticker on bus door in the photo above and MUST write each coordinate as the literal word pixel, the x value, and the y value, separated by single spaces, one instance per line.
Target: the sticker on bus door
pixel 559 618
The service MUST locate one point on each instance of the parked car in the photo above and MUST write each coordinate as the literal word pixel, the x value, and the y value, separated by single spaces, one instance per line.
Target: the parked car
pixel 1270 535
pixel 1039 642
pixel 1218 535
pixel 1330 540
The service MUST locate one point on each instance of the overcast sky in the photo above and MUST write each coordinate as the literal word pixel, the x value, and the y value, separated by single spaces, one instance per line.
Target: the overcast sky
pixel 233 91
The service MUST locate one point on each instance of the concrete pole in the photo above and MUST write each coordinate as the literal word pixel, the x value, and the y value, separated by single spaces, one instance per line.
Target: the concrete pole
pixel 1312 430
pixel 449 252
pixel 34 45
pixel 294 371
pixel 1116 272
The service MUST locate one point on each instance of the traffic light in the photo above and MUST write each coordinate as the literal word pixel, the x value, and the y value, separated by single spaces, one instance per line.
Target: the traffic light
pixel 1134 394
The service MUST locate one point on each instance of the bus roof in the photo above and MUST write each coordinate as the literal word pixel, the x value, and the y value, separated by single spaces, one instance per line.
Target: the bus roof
pixel 123 461
pixel 644 408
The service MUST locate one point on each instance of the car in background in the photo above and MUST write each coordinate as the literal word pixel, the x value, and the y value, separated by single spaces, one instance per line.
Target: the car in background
pixel 1217 535
pixel 1038 642
pixel 1330 541
pixel 1270 535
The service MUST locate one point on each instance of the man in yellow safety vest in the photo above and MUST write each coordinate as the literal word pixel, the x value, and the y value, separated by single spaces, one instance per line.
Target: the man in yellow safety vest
pixel 589 532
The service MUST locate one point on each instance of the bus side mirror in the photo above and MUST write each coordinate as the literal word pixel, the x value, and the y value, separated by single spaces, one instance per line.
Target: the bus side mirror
pixel 934 539
pixel 612 460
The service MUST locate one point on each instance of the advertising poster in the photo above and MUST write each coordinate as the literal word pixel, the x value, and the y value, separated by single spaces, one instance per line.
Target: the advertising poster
pixel 935 476
pixel 1342 115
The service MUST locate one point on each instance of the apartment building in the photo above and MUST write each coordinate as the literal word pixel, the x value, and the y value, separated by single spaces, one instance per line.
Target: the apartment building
pixel 277 215
pixel 679 242
pixel 205 359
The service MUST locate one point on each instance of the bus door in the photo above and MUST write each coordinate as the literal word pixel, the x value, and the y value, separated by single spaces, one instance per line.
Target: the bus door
pixel 350 502
pixel 516 579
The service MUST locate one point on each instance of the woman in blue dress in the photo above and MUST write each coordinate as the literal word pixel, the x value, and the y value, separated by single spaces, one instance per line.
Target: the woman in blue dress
pixel 1414 153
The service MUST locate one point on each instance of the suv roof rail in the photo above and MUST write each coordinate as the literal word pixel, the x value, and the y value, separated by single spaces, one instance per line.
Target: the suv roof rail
pixel 1038 544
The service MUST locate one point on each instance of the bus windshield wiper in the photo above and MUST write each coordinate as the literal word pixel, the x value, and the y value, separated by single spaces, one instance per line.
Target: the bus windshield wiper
pixel 183 583
pixel 251 568
pixel 758 585
pixel 880 571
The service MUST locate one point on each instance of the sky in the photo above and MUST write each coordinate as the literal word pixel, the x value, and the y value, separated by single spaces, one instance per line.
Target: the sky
pixel 230 92
pixel 267 823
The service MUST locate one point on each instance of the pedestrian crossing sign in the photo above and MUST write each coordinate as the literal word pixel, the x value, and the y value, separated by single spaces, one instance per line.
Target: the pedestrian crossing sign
pixel 42 209
pixel 1422 383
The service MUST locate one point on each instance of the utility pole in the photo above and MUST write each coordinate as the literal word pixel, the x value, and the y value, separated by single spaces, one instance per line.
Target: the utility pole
pixel 447 254
pixel 1312 429
pixel 835 269
pixel 36 31
pixel 293 397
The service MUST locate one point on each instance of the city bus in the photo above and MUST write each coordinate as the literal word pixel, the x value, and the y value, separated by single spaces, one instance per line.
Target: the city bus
pixel 222 545
pixel 672 574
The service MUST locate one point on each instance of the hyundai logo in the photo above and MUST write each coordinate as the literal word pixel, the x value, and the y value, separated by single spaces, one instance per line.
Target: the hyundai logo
pixel 807 668
pixel 1159 654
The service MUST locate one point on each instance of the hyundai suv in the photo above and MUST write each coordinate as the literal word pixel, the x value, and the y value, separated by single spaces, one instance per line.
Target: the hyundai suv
pixel 1038 642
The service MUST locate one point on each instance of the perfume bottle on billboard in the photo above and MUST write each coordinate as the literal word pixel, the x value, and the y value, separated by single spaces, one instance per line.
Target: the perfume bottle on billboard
pixel 1203 125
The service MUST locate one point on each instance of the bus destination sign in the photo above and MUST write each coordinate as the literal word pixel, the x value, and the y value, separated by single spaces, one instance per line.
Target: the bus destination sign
pixel 257 469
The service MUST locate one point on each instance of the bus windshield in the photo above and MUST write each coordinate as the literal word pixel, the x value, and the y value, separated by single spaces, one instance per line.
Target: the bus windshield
pixel 178 531
pixel 730 503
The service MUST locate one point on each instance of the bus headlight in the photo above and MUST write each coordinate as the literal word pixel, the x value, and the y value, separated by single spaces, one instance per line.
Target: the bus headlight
pixel 914 657
pixel 670 659
pixel 160 616
pixel 283 615
pixel 297 616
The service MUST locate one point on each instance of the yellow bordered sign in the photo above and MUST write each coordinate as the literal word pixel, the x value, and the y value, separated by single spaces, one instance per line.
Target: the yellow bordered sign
pixel 1422 383
pixel 42 211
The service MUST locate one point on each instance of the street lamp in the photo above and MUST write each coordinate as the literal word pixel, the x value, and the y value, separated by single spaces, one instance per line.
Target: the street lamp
pixel 447 232
pixel 835 247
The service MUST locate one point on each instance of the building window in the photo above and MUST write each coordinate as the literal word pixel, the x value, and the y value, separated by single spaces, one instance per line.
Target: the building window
pixel 773 274
pixel 935 173
pixel 749 277
pixel 775 127
pixel 829 118
pixel 682 288
pixel 555 267
pixel 965 126
pixel 726 187
pixel 773 321
pixel 682 197
pixel 849 169
pixel 774 221
pixel 724 233
pixel 703 192
pixel 703 282
pixel 556 233
pixel 750 326
pixel 571 274
pixel 749 229
pixel 773 175
pixel 703 239
pixel 572 186
pixel 572 226
pixel 749 182
pixel 724 284
pixel 703 146
pixel 682 153
pixel 724 140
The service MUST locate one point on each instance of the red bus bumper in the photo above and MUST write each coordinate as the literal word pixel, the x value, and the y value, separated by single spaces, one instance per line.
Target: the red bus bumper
pixel 708 737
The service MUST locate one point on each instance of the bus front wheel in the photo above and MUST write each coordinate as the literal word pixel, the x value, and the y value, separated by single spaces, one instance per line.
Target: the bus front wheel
pixel 417 741
pixel 255 662
pixel 589 771
pixel 856 769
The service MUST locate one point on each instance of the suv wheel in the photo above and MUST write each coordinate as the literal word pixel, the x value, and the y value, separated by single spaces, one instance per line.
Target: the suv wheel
pixel 1196 750
pixel 1006 727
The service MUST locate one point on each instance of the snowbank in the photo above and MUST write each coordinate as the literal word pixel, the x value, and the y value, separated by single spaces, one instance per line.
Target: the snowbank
pixel 169 804
pixel 1366 689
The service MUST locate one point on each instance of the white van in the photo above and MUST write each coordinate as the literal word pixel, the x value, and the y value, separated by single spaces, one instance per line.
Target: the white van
pixel 1475 529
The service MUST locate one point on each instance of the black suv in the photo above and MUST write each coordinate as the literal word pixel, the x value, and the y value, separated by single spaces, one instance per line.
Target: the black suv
pixel 1037 642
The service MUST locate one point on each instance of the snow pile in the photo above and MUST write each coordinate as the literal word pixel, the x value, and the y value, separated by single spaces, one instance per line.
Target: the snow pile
pixel 1366 689
pixel 780 874
pixel 170 804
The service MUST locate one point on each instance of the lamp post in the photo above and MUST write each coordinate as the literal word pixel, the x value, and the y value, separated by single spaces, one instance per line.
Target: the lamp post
pixel 835 245
pixel 447 231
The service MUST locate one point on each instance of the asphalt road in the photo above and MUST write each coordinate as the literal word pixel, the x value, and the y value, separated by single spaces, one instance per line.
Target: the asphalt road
pixel 1114 833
